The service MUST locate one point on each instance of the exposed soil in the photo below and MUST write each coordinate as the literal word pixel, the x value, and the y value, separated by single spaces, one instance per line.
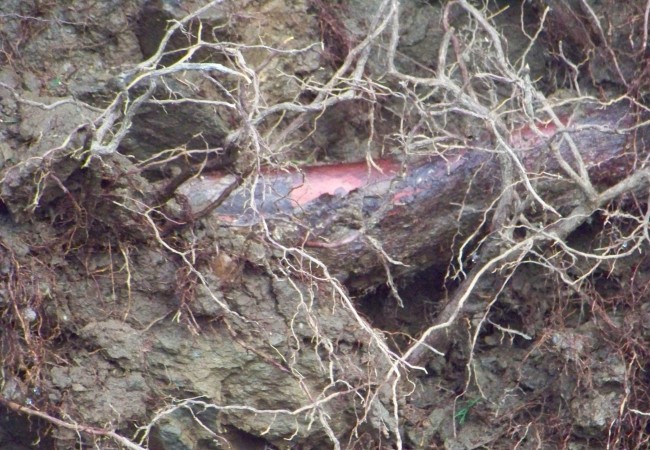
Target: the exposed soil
pixel 134 316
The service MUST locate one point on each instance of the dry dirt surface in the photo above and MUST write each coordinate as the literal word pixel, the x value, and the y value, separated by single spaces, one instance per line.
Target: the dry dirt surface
pixel 314 224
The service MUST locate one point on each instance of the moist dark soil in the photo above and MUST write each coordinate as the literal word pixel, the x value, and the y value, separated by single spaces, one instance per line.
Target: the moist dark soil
pixel 124 313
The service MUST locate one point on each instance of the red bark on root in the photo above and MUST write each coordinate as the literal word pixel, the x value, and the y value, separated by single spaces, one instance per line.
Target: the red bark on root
pixel 415 210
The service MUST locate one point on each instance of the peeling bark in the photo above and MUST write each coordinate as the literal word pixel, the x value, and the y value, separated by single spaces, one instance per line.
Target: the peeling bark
pixel 345 213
